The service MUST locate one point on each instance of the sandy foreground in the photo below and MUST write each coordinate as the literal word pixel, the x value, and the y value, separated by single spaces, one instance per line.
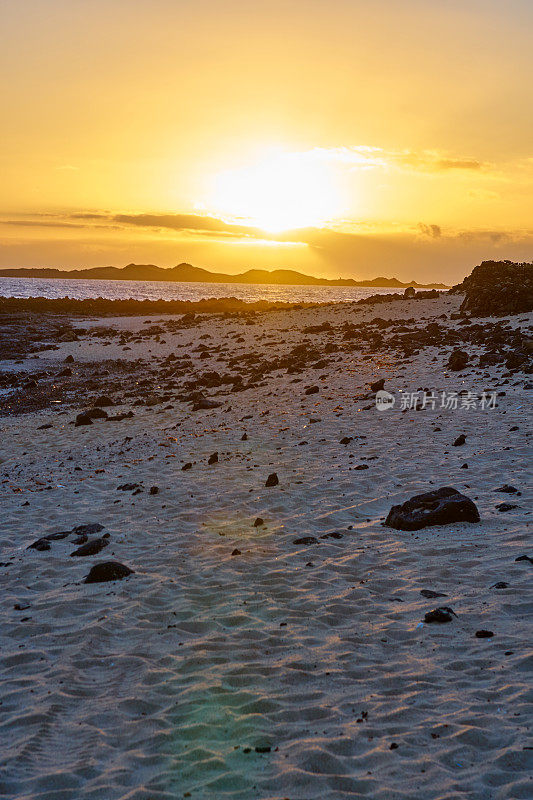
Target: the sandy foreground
pixel 234 662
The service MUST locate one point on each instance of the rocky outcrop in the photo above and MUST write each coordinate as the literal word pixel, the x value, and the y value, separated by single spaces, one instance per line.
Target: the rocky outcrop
pixel 497 288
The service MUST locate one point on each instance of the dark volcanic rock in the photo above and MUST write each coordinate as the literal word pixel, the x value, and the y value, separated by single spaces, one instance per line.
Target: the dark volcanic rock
pixel 96 413
pixel 272 480
pixel 440 507
pixel 460 440
pixel 498 288
pixel 458 360
pixel 83 419
pixel 87 530
pixel 440 615
pixel 40 545
pixel 92 548
pixel 213 458
pixel 377 386
pixel 103 401
pixel 107 571
pixel 305 540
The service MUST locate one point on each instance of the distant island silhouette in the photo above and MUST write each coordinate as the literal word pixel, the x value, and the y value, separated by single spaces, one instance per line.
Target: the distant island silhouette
pixel 189 274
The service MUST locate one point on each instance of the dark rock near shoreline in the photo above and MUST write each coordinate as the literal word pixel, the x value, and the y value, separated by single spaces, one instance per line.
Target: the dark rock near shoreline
pixel 498 288
pixel 440 507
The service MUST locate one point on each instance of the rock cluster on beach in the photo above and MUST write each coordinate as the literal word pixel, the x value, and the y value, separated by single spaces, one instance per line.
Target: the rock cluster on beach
pixel 497 288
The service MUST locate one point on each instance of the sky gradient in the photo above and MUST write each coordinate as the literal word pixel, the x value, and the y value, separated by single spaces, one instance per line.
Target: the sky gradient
pixel 340 138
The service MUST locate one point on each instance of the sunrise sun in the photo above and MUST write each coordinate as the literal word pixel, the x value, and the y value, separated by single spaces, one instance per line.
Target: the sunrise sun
pixel 279 192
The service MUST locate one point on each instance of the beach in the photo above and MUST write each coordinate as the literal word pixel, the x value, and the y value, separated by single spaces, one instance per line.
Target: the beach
pixel 270 640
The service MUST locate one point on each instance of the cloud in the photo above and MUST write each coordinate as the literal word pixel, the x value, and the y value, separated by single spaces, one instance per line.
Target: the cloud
pixel 365 157
pixel 433 231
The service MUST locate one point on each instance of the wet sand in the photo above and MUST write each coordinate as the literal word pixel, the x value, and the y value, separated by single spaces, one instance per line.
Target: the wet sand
pixel 285 659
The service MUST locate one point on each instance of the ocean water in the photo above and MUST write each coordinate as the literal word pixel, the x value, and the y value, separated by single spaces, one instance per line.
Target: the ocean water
pixel 80 289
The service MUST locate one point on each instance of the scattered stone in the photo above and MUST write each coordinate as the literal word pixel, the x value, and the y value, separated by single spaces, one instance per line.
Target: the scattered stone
pixel 128 487
pixel 440 507
pixel 346 440
pixel 258 522
pixel 506 489
pixel 103 401
pixel 204 404
pixel 45 426
pixel 272 480
pixel 362 466
pixel 88 529
pixel 506 506
pixel 154 489
pixel 500 585
pixel 525 558
pixel 458 360
pixel 460 440
pixel 213 458
pixel 93 547
pixel 244 437
pixel 312 390
pixel 377 386
pixel 482 634
pixel 305 540
pixel 107 571
pixel 429 593
pixel 186 466
pixel 236 552
pixel 440 615
pixel 96 413
pixel 40 544
pixel 82 419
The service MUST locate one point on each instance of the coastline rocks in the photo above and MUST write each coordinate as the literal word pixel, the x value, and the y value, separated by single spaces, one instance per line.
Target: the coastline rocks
pixel 497 288
pixel 107 571
pixel 440 507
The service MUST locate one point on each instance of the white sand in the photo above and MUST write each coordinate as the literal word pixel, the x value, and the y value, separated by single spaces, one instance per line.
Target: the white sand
pixel 152 687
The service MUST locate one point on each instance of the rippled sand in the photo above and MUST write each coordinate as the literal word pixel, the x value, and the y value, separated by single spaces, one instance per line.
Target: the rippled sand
pixel 284 671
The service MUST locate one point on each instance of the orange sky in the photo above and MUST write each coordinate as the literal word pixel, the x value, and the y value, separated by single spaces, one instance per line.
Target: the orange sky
pixel 339 138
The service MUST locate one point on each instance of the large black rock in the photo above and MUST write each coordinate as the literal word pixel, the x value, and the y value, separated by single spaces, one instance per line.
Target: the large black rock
pixel 440 507
pixel 107 571
pixel 497 288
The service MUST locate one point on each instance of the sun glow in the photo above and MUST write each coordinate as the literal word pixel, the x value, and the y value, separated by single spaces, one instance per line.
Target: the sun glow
pixel 280 192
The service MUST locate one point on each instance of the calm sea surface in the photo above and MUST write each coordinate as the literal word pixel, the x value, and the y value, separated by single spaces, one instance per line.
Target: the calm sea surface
pixel 166 290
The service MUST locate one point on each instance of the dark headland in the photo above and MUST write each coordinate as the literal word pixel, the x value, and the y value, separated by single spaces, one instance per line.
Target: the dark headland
pixel 187 273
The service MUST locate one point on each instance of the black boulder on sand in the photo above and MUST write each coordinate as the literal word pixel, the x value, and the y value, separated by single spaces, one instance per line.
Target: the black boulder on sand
pixel 440 507
pixel 107 571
